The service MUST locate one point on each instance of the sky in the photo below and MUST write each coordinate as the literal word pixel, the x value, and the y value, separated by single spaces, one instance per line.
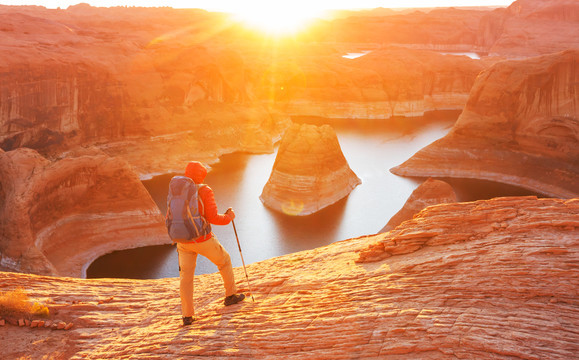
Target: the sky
pixel 236 5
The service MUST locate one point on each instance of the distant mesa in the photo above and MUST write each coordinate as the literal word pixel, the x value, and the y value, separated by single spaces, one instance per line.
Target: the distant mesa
pixel 60 216
pixel 387 82
pixel 310 172
pixel 530 28
pixel 520 127
pixel 430 192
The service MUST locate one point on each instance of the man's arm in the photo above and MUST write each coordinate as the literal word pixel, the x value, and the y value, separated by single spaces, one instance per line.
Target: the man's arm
pixel 207 197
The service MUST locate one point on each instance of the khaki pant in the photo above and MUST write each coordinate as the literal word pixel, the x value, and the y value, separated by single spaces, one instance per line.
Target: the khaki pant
pixel 212 250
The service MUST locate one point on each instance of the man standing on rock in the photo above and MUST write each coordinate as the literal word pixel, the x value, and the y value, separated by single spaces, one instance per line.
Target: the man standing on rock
pixel 206 245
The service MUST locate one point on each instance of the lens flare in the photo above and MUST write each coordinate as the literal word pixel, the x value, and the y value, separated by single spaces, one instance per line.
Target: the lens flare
pixel 277 19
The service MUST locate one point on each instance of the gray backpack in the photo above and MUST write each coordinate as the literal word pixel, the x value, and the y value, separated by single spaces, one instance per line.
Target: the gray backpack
pixel 184 220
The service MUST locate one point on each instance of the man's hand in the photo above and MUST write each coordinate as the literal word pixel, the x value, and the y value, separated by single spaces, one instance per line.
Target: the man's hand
pixel 230 213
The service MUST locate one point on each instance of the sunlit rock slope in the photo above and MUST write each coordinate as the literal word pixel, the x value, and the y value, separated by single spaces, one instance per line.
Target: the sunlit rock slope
pixel 56 217
pixel 430 192
pixel 520 126
pixel 310 171
pixel 493 279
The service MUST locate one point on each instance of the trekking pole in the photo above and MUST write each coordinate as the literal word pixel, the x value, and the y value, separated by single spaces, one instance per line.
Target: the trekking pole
pixel 242 261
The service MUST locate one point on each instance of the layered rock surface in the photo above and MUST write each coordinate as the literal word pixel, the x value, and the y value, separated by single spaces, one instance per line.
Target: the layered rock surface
pixel 59 216
pixel 520 126
pixel 431 192
pixel 310 171
pixel 525 28
pixel 490 279
pixel 77 77
pixel 387 82
pixel 530 28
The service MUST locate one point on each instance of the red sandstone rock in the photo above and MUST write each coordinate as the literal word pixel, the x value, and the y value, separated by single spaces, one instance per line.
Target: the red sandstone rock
pixel 84 85
pixel 531 27
pixel 430 192
pixel 310 172
pixel 520 127
pixel 447 284
pixel 525 28
pixel 387 82
pixel 2 322
pixel 61 215
pixel 444 29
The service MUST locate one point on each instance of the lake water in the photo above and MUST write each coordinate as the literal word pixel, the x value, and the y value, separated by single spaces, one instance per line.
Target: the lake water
pixel 371 148
pixel 355 55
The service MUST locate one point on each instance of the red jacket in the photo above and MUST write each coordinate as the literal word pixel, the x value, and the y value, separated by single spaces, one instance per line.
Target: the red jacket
pixel 207 206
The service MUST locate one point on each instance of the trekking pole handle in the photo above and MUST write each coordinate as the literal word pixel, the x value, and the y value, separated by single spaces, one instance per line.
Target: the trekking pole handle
pixel 228 212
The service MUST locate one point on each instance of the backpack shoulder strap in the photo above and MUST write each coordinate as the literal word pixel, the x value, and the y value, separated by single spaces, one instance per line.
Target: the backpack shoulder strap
pixel 202 208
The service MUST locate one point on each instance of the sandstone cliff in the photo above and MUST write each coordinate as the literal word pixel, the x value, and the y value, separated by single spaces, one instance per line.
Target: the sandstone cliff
pixel 136 82
pixel 387 82
pixel 520 126
pixel 444 29
pixel 75 78
pixel 59 216
pixel 530 27
pixel 490 279
pixel 431 192
pixel 310 172
pixel 525 28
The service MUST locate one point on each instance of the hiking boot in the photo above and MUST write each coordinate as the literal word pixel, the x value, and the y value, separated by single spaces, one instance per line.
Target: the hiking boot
pixel 234 299
pixel 188 320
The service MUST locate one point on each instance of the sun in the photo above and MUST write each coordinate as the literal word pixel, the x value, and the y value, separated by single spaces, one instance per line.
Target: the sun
pixel 277 19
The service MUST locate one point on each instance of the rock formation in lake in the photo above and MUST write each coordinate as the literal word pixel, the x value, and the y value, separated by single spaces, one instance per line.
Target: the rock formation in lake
pixel 310 171
pixel 492 279
pixel 59 216
pixel 431 192
pixel 520 127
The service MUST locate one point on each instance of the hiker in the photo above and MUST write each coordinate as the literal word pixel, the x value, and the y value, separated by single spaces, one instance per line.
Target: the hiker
pixel 205 244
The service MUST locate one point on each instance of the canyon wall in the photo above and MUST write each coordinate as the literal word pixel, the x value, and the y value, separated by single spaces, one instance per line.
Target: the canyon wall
pixel 387 82
pixel 59 216
pixel 138 83
pixel 76 77
pixel 520 126
pixel 443 29
pixel 310 172
pixel 492 279
pixel 525 28
pixel 530 28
